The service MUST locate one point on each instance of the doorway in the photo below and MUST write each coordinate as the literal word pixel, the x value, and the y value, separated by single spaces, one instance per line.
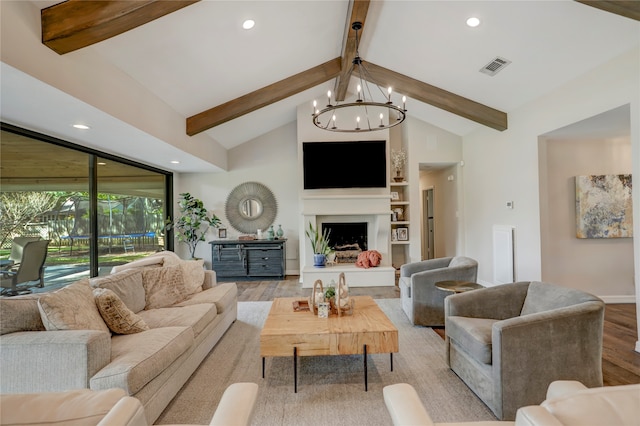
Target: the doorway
pixel 428 236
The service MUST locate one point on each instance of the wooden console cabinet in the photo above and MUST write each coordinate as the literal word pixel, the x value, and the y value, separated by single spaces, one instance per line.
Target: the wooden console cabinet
pixel 248 259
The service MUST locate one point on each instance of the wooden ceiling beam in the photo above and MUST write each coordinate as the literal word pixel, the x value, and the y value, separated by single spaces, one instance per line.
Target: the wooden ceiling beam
pixel 75 24
pixel 628 9
pixel 359 9
pixel 263 97
pixel 437 97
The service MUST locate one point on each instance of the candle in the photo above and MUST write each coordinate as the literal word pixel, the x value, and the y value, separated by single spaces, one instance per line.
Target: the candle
pixel 357 123
pixel 389 91
pixel 334 121
pixel 314 109
pixel 359 90
pixel 381 117
pixel 329 97
pixel 404 101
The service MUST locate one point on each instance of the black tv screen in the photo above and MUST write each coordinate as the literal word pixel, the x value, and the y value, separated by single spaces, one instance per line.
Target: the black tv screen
pixel 354 164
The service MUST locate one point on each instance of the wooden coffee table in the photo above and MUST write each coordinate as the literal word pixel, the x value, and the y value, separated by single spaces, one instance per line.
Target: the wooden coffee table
pixel 289 333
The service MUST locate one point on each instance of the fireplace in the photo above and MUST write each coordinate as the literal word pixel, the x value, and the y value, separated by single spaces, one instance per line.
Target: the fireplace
pixel 359 219
pixel 347 239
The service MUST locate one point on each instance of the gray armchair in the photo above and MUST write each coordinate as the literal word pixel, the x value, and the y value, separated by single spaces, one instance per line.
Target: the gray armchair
pixel 509 342
pixel 421 300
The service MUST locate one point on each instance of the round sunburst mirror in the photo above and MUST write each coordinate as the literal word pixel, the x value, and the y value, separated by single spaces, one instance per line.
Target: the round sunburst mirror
pixel 251 206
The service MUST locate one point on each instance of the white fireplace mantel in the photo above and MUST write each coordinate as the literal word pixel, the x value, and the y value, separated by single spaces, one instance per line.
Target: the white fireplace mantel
pixel 375 210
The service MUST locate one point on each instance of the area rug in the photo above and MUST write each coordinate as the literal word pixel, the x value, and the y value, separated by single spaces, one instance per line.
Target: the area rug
pixel 330 388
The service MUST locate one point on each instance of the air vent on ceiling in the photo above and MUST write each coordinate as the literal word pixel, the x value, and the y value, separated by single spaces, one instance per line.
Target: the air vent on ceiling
pixel 494 66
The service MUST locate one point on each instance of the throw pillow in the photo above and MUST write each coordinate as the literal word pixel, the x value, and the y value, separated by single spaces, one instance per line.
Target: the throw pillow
pixel 71 308
pixel 20 313
pixel 116 315
pixel 127 285
pixel 140 263
pixel 168 258
pixel 163 286
pixel 193 275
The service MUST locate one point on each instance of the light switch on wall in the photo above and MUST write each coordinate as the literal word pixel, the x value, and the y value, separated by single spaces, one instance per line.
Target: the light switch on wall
pixel 510 204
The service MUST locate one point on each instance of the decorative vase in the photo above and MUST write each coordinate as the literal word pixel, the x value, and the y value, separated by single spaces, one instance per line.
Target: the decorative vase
pixel 319 260
pixel 270 233
pixel 280 232
pixel 398 177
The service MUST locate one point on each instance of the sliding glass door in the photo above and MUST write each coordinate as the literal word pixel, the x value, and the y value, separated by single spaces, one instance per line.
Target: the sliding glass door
pixel 96 210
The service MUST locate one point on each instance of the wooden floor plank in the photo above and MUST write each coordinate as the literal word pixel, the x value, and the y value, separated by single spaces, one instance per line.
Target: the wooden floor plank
pixel 620 362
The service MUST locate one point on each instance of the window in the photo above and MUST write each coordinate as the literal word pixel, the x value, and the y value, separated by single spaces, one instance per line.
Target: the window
pixel 97 210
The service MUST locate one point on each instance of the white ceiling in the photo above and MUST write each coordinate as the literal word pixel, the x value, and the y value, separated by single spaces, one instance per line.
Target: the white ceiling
pixel 200 57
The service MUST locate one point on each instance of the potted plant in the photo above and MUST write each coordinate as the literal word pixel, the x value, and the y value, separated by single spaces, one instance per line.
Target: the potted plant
pixel 193 223
pixel 319 245
pixel 398 160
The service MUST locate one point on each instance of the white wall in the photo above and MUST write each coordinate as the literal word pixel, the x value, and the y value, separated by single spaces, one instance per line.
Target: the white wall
pixel 574 262
pixel 503 166
pixel 271 160
pixel 428 144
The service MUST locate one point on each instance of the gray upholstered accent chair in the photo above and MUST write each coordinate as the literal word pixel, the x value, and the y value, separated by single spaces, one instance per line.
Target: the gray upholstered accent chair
pixel 421 300
pixel 509 342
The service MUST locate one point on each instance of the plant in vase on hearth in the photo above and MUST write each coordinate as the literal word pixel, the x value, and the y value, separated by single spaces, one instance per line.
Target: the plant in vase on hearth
pixel 398 160
pixel 319 245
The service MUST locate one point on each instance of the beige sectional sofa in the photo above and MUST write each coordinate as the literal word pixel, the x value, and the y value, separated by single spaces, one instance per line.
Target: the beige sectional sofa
pixel 145 328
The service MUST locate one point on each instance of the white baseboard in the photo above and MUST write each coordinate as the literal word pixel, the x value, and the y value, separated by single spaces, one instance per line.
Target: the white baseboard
pixel 606 299
pixel 638 346
pixel 618 299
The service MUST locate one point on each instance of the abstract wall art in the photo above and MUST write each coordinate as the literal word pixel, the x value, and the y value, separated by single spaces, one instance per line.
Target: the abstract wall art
pixel 603 206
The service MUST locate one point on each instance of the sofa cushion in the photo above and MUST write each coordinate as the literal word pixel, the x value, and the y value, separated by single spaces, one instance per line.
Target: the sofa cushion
pixel 136 359
pixel 198 317
pixel 116 315
pixel 222 295
pixel 20 313
pixel 545 297
pixel 163 286
pixel 472 334
pixel 193 275
pixel 127 285
pixel 71 308
pixel 610 405
pixel 71 408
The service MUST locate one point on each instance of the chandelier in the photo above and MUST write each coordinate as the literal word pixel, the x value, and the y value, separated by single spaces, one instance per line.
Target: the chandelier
pixel 364 114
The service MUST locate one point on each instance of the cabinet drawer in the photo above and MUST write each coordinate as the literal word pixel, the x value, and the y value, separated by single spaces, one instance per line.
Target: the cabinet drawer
pixel 264 262
pixel 264 255
pixel 264 269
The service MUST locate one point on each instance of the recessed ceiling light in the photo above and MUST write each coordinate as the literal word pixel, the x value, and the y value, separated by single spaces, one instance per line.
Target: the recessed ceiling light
pixel 248 24
pixel 473 22
pixel 81 126
pixel 101 164
pixel 175 162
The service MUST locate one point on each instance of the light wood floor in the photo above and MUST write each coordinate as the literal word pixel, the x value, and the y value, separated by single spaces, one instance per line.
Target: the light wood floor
pixel 620 363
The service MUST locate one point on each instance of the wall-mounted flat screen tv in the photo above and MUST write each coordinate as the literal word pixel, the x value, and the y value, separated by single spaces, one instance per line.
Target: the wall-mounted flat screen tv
pixel 351 164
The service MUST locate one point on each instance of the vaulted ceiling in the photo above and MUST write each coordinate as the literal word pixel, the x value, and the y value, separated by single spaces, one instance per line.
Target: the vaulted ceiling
pixel 234 85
